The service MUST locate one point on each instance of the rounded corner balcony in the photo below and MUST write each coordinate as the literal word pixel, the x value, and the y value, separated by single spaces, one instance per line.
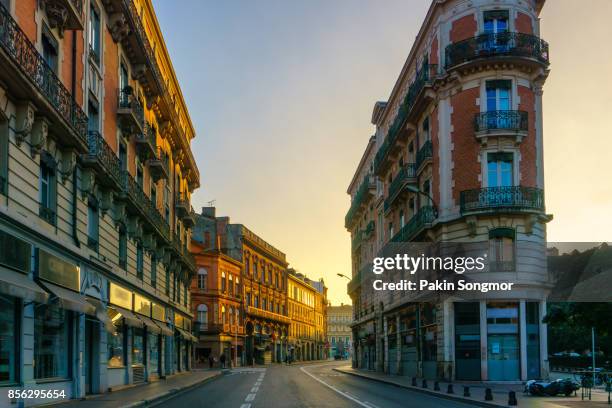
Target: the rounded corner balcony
pixel 397 189
pixel 363 194
pixel 501 123
pixel 512 199
pixel 503 47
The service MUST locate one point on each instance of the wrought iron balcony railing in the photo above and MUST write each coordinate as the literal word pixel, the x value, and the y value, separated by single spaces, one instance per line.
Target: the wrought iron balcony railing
pixel 406 175
pixel 504 44
pixel 423 77
pixel 159 165
pixel 22 53
pixel 146 142
pixel 425 153
pixel 130 111
pixel 181 203
pixel 513 120
pixel 423 218
pixel 103 159
pixel 362 194
pixel 512 198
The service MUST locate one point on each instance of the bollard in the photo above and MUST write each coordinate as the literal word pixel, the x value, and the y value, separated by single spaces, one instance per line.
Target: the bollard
pixel 488 395
pixel 466 391
pixel 414 381
pixel 436 386
pixel 512 398
pixel 449 390
pixel 424 383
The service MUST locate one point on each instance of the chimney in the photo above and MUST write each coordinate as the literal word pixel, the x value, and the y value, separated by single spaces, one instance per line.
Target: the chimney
pixel 209 212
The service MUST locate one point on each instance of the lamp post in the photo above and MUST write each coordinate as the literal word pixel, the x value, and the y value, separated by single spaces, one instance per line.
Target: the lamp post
pixel 343 276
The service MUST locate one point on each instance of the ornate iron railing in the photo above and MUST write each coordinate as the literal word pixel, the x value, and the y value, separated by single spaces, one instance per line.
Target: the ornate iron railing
pixel 358 199
pixel 102 153
pixel 422 78
pixel 159 164
pixel 406 173
pixel 501 120
pixel 502 198
pixel 423 217
pixel 128 100
pixel 17 45
pixel 497 44
pixel 424 153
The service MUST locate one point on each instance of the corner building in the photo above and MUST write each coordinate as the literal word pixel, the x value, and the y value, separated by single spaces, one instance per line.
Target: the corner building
pixel 457 157
pixel 96 175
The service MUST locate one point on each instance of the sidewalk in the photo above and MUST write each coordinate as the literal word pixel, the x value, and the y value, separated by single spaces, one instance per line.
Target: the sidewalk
pixel 147 393
pixel 500 392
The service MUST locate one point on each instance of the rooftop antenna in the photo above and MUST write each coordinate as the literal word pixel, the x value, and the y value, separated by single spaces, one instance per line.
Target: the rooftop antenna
pixel 211 203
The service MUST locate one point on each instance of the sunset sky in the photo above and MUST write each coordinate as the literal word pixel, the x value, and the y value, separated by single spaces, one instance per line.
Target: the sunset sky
pixel 281 94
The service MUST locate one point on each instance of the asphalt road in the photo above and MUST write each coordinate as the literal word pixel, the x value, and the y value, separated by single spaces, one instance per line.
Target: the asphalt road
pixel 298 386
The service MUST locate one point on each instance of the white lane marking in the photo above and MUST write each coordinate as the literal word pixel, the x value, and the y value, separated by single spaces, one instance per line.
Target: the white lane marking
pixel 257 384
pixel 255 389
pixel 250 397
pixel 371 404
pixel 245 406
pixel 344 394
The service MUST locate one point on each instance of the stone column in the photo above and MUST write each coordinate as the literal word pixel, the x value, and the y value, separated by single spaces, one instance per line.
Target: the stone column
pixel 523 339
pixel 544 368
pixel 484 359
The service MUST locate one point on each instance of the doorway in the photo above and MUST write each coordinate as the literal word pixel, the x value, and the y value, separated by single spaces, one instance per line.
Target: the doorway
pixel 90 362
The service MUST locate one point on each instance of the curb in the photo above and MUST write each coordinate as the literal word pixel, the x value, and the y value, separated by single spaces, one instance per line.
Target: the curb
pixel 171 393
pixel 425 391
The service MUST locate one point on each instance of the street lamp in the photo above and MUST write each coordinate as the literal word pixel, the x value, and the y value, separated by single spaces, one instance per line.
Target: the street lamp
pixel 343 276
pixel 416 190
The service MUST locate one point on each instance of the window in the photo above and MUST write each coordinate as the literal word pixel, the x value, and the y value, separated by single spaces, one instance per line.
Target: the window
pixel 499 169
pixel 167 282
pixel 153 271
pixel 391 230
pixel 93 116
pixel 255 275
pixel 402 218
pixel 154 194
pixel 94 35
pixel 50 48
pixel 138 346
pixel 203 316
pixel 51 341
pixel 248 299
pixel 231 285
pixel 498 95
pixel 231 315
pixel 93 223
pixel 496 21
pixel 122 247
pixel 115 343
pixel 139 261
pixel 4 142
pixel 153 346
pixel 185 294
pixel 501 250
pixel 223 316
pixel 167 201
pixel 223 282
pixel 123 84
pixel 8 339
pixel 264 303
pixel 202 276
pixel 140 175
pixel 256 304
pixel 123 153
pixel 47 188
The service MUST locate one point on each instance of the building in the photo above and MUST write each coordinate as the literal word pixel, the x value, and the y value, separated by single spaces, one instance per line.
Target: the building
pixel 96 174
pixel 307 306
pixel 263 282
pixel 339 333
pixel 457 158
pixel 216 295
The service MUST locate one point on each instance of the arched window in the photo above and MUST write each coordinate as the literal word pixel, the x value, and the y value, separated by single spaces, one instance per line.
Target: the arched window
pixel 202 316
pixel 202 276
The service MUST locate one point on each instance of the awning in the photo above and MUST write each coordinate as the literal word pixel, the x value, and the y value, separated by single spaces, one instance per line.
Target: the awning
pixel 13 283
pixel 102 314
pixel 166 331
pixel 71 300
pixel 187 335
pixel 129 317
pixel 151 326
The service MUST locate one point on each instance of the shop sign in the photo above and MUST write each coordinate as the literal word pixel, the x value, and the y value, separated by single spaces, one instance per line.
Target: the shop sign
pixel 56 270
pixel 142 305
pixel 120 296
pixel 158 312
pixel 15 253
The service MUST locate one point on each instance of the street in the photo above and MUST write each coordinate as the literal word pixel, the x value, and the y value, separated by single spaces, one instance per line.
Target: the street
pixel 314 385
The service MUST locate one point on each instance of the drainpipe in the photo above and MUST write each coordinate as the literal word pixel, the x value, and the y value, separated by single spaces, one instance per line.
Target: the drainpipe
pixel 75 235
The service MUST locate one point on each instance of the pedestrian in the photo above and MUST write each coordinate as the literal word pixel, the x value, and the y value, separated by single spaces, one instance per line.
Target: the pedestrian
pixel 222 360
pixel 211 361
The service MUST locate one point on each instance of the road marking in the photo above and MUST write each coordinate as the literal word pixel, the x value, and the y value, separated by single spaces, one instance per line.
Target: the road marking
pixel 255 389
pixel 257 384
pixel 344 394
pixel 250 397
pixel 245 406
pixel 371 404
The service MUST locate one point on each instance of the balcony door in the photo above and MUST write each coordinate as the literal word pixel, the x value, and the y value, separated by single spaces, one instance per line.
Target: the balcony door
pixel 495 28
pixel 499 102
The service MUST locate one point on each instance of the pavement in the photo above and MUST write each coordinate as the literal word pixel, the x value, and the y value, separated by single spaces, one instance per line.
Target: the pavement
pixel 146 394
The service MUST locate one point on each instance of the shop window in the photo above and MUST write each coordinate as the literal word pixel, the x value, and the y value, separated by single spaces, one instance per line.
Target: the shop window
pixel 51 342
pixel 202 276
pixel 9 337
pixel 47 188
pixel 116 341
pixel 137 346
pixel 93 223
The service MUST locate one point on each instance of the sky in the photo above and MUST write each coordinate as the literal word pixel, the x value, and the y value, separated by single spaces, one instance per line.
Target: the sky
pixel 281 95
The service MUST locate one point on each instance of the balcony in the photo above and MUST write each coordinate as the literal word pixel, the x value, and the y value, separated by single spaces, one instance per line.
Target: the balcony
pixel 502 199
pixel 139 204
pixel 182 253
pixel 189 219
pixel 146 142
pixel 364 192
pixel 264 314
pixel 512 123
pixel 507 46
pixel 356 241
pixel 419 222
pixel 130 111
pixel 28 78
pixel 406 175
pixel 103 160
pixel 182 206
pixel 65 14
pixel 159 167
pixel 424 155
